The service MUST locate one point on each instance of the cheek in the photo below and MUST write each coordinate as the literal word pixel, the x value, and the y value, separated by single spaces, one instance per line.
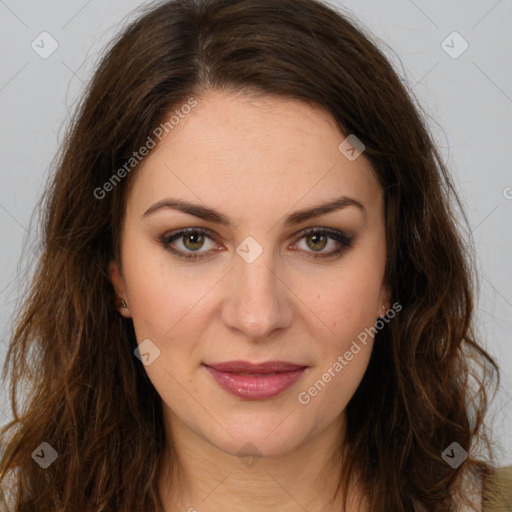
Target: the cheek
pixel 326 394
pixel 160 296
pixel 347 306
pixel 343 354
pixel 153 305
pixel 165 309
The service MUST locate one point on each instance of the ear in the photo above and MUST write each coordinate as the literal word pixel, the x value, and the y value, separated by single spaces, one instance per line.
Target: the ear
pixel 384 301
pixel 116 277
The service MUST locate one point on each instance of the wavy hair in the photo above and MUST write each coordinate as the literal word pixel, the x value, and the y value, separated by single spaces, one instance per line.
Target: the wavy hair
pixel 70 358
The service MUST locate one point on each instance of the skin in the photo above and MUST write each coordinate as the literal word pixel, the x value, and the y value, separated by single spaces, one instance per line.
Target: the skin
pixel 255 160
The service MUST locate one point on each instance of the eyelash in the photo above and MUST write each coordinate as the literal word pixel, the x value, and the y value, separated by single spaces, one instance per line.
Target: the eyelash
pixel 344 241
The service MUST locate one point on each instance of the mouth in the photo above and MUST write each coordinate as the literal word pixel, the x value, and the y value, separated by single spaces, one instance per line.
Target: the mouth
pixel 253 381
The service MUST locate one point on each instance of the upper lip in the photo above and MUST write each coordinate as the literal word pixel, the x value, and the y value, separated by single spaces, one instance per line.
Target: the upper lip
pixel 248 367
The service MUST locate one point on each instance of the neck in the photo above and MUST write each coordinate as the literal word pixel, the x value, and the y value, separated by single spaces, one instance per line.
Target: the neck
pixel 205 478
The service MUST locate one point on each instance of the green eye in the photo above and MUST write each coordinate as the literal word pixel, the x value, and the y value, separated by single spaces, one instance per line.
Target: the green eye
pixel 316 239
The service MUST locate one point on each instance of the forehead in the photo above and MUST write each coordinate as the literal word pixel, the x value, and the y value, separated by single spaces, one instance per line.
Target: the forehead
pixel 235 151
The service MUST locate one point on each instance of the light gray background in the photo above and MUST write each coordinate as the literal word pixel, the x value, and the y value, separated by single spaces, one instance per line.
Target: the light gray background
pixel 468 101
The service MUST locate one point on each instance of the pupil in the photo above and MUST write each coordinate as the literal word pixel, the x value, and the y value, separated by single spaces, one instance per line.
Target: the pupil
pixel 192 237
pixel 316 241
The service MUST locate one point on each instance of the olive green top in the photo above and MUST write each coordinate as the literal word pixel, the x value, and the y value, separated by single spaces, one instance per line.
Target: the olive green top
pixel 497 491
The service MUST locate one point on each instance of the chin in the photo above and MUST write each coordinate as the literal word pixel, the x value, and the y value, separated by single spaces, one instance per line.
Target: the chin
pixel 271 437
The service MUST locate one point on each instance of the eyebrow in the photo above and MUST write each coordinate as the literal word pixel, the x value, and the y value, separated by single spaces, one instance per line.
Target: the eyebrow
pixel 211 215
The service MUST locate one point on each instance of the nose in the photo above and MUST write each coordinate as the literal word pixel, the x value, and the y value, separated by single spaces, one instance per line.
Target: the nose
pixel 258 302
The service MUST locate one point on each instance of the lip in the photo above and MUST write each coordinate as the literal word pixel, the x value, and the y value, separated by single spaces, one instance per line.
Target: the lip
pixel 255 381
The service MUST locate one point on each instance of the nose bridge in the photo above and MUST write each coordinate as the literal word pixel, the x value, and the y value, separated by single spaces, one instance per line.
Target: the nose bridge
pixel 259 302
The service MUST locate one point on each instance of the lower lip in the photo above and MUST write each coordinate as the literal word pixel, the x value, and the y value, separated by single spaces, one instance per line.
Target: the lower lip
pixel 256 387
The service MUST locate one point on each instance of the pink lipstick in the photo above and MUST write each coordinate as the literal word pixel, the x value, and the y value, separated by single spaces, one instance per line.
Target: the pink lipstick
pixel 255 381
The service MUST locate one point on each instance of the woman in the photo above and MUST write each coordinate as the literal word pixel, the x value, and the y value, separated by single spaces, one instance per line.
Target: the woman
pixel 252 292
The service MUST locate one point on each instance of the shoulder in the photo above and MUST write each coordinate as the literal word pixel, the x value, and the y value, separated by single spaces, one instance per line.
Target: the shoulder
pixel 492 493
pixel 497 491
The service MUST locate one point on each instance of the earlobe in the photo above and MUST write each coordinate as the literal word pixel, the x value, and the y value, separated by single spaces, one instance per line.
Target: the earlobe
pixel 117 281
pixel 385 302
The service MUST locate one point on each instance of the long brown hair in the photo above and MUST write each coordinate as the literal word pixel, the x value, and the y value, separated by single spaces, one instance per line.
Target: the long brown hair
pixel 72 353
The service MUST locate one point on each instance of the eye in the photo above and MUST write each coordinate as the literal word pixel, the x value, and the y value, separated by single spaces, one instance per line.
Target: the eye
pixel 318 239
pixel 192 240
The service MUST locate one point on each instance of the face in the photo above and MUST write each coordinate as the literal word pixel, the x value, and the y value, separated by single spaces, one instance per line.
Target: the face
pixel 247 275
